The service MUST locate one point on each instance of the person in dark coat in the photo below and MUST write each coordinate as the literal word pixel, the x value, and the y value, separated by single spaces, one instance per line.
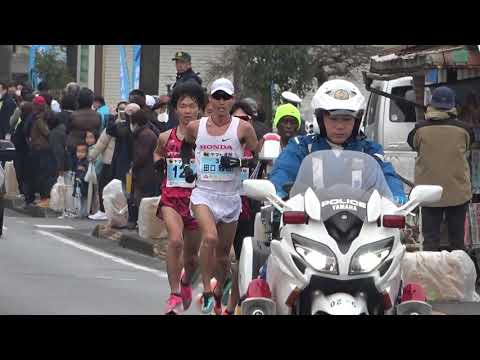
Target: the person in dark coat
pixel 21 145
pixel 7 107
pixel 183 64
pixel 84 119
pixel 43 161
pixel 146 181
pixel 57 139
pixel 68 106
pixel 123 152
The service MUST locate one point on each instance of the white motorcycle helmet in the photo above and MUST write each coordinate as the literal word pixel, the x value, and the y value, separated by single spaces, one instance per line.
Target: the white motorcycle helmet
pixel 338 97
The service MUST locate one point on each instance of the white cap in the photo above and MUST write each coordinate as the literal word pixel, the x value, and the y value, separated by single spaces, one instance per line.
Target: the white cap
pixel 224 85
pixel 149 100
pixel 290 96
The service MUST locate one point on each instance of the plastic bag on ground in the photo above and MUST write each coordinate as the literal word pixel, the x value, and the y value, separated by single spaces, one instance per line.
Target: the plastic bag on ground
pixel 149 225
pixel 11 183
pixel 91 179
pixel 446 276
pixel 115 204
pixel 58 195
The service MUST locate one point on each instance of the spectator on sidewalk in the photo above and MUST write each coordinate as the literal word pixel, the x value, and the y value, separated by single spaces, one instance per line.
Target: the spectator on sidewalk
pixel 138 97
pixel 7 107
pixel 68 106
pixel 441 139
pixel 57 139
pixel 44 164
pixel 91 138
pixel 84 119
pixel 161 113
pixel 123 152
pixel 73 89
pixel 105 148
pixel 44 91
pixel 146 181
pixel 100 107
pixel 80 185
pixel 21 145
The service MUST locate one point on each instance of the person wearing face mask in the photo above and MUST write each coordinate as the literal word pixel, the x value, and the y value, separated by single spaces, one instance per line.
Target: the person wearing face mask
pixel 7 107
pixel 161 112
pixel 123 152
pixel 146 181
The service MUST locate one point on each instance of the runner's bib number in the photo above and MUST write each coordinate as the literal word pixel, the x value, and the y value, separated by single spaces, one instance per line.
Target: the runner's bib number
pixel 176 174
pixel 210 168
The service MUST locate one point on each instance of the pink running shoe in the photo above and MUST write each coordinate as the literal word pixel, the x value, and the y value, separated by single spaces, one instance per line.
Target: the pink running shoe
pixel 173 305
pixel 186 293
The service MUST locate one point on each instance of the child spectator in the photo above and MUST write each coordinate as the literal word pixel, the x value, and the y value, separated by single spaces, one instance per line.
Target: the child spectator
pixel 91 138
pixel 80 189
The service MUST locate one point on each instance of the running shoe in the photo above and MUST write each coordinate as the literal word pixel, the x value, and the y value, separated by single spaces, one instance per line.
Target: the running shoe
pixel 207 303
pixel 227 312
pixel 173 306
pixel 226 290
pixel 217 308
pixel 186 293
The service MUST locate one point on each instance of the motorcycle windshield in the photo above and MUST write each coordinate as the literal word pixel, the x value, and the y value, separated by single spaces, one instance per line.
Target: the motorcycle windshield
pixel 342 180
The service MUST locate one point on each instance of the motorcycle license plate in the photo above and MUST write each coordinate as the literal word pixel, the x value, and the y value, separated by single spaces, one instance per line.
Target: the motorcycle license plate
pixel 336 301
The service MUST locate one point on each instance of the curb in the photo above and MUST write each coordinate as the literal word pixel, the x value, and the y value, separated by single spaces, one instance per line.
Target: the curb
pixel 17 205
pixel 130 239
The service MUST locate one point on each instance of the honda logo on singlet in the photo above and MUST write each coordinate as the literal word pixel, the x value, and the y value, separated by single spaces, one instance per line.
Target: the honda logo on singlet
pixel 216 147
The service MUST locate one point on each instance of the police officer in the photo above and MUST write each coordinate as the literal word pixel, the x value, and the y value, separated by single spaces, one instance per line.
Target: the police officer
pixel 183 63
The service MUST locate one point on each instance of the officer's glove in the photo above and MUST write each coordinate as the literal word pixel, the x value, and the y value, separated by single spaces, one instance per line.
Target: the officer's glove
pixel 400 199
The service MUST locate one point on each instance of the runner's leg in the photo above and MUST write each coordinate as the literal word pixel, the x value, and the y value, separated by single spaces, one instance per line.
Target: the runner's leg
pixel 174 223
pixel 209 240
pixel 226 234
pixel 191 247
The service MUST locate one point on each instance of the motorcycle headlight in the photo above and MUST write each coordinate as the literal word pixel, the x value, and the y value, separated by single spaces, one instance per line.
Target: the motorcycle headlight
pixel 318 256
pixel 369 257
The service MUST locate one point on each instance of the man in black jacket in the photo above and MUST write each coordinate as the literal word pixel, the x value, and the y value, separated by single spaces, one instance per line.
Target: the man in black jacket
pixel 7 107
pixel 183 63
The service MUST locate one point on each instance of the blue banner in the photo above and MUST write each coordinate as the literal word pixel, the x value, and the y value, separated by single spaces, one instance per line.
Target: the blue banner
pixel 136 66
pixel 32 74
pixel 124 78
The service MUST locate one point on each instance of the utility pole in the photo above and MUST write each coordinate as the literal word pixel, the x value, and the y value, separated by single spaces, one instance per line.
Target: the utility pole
pixel 5 63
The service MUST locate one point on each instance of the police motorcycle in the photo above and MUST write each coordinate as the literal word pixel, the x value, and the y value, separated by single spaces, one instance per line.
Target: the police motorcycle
pixel 339 250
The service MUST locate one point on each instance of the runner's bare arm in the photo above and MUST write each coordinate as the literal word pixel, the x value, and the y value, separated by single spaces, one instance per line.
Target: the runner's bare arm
pixel 248 136
pixel 159 152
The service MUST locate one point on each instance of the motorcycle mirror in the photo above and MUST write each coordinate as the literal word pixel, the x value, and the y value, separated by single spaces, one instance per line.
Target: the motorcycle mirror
pixel 312 205
pixel 259 190
pixel 425 194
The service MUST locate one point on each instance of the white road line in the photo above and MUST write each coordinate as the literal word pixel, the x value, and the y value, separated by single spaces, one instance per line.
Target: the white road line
pixel 116 259
pixel 54 227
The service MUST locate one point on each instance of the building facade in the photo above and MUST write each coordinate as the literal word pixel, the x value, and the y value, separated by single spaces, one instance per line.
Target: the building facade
pixel 98 66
